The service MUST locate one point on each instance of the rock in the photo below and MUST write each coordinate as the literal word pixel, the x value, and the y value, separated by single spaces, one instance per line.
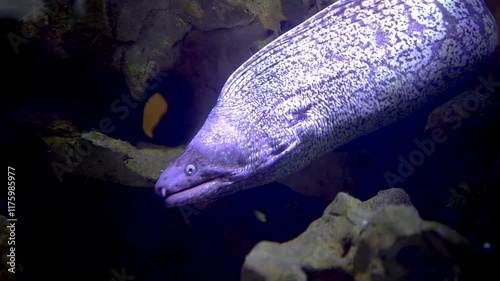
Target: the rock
pixel 391 196
pixel 204 40
pixel 152 29
pixel 380 239
pixel 96 156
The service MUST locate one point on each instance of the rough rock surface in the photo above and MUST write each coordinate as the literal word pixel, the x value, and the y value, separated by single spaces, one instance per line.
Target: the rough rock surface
pixel 380 239
pixel 96 156
pixel 204 40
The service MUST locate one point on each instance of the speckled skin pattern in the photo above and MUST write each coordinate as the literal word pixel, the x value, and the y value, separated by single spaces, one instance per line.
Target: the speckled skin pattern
pixel 351 69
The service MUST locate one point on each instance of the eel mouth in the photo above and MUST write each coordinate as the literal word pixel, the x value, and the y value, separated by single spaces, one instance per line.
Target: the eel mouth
pixel 204 192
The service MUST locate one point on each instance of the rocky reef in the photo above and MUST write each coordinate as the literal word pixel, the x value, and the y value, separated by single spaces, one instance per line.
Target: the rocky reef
pixel 382 238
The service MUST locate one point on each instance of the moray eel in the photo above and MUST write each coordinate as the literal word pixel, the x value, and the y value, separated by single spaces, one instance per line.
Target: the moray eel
pixel 350 69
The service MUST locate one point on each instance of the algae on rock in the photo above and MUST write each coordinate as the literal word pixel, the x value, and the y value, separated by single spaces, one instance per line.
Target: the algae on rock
pixel 358 240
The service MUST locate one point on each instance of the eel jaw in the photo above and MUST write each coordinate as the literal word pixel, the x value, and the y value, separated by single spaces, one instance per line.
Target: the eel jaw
pixel 205 192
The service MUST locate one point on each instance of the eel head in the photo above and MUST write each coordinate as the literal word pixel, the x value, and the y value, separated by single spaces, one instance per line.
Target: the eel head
pixel 221 159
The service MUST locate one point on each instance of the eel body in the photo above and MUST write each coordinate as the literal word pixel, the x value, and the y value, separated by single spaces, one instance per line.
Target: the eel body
pixel 351 69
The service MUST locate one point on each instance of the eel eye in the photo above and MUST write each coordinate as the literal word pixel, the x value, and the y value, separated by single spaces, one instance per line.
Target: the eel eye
pixel 190 169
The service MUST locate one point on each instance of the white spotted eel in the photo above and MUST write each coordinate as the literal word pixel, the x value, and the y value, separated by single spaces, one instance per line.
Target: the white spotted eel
pixel 351 69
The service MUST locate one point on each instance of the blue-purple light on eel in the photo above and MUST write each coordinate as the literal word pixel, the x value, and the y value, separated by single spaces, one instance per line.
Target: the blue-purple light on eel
pixel 351 69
